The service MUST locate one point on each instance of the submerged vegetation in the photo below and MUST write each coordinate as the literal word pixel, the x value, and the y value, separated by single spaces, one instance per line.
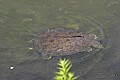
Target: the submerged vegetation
pixel 64 71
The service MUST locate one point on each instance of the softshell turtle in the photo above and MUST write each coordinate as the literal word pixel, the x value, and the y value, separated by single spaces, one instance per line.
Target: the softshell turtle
pixel 60 42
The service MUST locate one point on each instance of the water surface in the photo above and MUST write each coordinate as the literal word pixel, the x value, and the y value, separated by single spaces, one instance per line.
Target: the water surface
pixel 21 21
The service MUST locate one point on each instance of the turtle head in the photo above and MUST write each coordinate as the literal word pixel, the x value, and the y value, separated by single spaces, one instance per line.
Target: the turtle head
pixel 96 44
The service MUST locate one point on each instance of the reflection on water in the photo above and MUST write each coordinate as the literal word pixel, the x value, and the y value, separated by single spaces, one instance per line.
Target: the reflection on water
pixel 20 21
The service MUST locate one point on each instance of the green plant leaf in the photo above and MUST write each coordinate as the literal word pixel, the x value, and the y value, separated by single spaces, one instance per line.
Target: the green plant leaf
pixel 58 78
pixel 71 76
pixel 68 68
pixel 64 71
pixel 74 78
pixel 67 64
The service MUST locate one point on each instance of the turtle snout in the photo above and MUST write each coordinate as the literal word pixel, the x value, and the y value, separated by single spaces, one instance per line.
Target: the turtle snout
pixel 96 44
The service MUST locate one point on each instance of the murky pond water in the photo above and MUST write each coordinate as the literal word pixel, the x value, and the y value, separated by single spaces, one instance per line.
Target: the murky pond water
pixel 21 21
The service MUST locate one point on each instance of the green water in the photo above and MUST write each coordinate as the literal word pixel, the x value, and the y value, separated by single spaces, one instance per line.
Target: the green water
pixel 21 20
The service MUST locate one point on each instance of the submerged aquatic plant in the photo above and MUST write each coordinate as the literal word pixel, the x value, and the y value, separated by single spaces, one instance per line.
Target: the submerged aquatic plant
pixel 64 71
